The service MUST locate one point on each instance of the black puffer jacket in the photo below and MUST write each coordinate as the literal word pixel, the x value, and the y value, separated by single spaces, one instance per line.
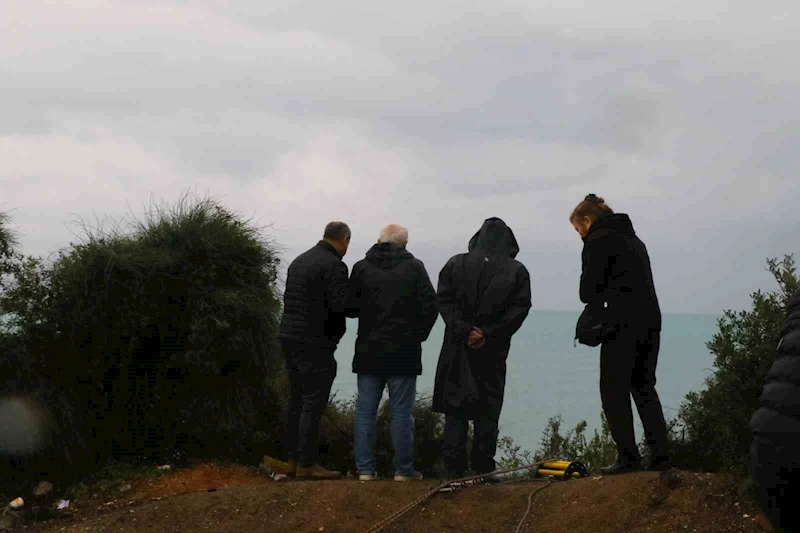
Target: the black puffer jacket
pixel 780 399
pixel 392 295
pixel 315 298
pixel 616 270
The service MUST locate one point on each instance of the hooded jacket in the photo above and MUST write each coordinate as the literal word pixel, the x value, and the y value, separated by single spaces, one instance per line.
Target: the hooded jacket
pixel 780 398
pixel 616 271
pixel 394 300
pixel 489 289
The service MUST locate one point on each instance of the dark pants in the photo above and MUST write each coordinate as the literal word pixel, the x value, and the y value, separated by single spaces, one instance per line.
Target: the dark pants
pixel 484 443
pixel 311 374
pixel 628 368
pixel 490 374
pixel 776 475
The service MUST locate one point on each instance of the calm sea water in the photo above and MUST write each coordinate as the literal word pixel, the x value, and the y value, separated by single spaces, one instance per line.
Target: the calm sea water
pixel 547 376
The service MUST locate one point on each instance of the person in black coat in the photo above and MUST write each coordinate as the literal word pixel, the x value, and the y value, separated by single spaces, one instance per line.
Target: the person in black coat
pixel 394 300
pixel 313 322
pixel 776 430
pixel 617 286
pixel 484 297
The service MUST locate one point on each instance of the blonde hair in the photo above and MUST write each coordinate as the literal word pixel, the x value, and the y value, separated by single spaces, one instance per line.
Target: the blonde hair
pixel 593 207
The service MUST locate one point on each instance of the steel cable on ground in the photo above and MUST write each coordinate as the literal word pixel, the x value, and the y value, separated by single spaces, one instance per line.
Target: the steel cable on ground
pixel 400 512
pixel 534 492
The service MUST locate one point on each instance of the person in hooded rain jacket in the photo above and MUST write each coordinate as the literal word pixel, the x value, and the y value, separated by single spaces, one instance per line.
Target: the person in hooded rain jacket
pixel 395 302
pixel 617 285
pixel 776 430
pixel 484 297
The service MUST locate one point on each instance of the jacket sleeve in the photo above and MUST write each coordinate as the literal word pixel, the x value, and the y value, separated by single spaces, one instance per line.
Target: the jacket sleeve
pixel 427 310
pixel 596 258
pixel 447 298
pixel 508 323
pixel 353 307
pixel 336 288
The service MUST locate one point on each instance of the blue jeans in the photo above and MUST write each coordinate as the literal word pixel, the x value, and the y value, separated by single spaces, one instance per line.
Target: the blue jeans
pixel 402 392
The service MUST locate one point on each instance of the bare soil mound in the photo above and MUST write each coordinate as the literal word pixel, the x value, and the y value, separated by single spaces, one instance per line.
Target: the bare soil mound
pixel 234 499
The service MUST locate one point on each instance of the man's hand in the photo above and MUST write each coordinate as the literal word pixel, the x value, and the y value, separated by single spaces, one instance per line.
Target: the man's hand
pixel 476 338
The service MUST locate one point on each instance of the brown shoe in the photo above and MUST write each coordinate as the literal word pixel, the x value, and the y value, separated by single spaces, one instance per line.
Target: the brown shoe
pixel 317 472
pixel 291 470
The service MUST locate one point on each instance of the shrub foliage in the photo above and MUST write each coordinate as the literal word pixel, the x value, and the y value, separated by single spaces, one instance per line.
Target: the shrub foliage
pixel 162 330
pixel 714 422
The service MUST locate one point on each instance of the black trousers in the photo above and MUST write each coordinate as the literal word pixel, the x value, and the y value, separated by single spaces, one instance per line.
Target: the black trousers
pixel 311 374
pixel 484 443
pixel 490 374
pixel 628 368
pixel 776 476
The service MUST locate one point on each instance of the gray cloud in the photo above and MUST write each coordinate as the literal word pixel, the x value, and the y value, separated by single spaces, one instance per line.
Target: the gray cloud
pixel 435 116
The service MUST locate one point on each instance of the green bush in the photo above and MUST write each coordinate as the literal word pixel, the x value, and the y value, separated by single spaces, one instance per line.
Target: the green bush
pixel 336 439
pixel 595 453
pixel 162 330
pixel 714 421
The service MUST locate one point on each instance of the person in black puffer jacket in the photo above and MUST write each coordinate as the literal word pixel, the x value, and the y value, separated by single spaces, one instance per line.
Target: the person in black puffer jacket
pixel 313 322
pixel 776 430
pixel 617 285
pixel 394 300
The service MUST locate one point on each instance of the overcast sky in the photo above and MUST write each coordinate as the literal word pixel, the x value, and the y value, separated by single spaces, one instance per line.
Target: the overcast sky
pixel 435 115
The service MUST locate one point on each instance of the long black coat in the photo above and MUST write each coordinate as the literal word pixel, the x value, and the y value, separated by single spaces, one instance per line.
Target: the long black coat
pixel 485 288
pixel 780 399
pixel 616 271
pixel 315 298
pixel 394 300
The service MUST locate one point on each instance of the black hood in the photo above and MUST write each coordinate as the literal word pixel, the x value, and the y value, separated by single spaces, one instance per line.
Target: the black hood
pixel 495 238
pixel 619 222
pixel 388 255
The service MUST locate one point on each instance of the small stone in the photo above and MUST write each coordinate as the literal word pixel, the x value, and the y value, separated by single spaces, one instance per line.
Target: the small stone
pixel 43 489
pixel 17 503
pixel 322 528
pixel 125 488
pixel 746 515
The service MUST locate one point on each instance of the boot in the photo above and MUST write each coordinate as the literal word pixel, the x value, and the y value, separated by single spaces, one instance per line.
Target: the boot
pixel 660 463
pixel 317 472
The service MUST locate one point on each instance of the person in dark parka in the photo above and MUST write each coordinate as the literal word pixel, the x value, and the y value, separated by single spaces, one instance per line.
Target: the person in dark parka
pixel 617 285
pixel 313 322
pixel 484 297
pixel 395 302
pixel 776 430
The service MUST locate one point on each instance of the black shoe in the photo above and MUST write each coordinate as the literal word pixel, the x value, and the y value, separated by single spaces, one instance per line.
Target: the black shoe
pixel 660 464
pixel 492 480
pixel 621 468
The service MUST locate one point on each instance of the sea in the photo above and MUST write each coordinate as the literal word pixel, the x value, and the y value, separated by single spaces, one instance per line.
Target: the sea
pixel 548 376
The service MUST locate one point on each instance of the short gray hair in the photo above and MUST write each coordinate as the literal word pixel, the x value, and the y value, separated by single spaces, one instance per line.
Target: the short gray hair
pixel 395 234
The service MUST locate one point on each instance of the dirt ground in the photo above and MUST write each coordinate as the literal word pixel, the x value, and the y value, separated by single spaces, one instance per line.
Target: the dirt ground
pixel 234 499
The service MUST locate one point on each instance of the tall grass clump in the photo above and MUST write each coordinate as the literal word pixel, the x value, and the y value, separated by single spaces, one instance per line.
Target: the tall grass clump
pixel 163 332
